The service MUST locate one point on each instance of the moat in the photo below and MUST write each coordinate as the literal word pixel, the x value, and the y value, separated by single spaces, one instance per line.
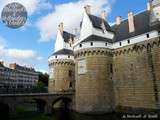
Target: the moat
pixel 61 114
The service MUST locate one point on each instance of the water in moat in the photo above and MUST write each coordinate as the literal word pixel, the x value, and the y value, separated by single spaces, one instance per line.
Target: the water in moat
pixel 60 114
pixel 68 115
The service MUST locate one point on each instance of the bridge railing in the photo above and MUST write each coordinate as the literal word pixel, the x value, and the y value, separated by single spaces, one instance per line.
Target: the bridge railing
pixel 38 94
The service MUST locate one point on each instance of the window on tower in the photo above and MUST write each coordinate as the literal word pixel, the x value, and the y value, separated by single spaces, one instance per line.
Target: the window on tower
pixel 51 73
pixel 70 73
pixel 111 68
pixel 147 35
pixel 70 85
pixel 82 69
pixel 120 43
pixel 128 41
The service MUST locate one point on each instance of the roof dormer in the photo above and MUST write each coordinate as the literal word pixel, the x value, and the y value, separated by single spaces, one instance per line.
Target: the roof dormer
pixel 96 26
pixel 63 40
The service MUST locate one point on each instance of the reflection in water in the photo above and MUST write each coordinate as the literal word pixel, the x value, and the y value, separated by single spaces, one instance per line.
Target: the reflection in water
pixel 62 114
pixel 68 115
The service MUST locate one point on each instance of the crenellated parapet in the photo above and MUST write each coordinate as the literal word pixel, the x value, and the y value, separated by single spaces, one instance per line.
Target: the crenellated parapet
pixel 139 47
pixel 93 51
pixel 61 62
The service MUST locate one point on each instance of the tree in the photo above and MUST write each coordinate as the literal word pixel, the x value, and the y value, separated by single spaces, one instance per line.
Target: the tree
pixel 43 77
pixel 42 84
pixel 40 88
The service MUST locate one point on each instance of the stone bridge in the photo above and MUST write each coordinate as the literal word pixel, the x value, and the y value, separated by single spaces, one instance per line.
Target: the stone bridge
pixel 44 101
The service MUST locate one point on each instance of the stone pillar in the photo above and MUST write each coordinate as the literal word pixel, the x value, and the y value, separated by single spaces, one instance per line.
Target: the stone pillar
pixel 48 108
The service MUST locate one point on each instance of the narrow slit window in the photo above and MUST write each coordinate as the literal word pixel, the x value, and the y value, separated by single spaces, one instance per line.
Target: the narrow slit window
pixel 120 43
pixel 70 84
pixel 128 41
pixel 91 43
pixel 111 68
pixel 70 73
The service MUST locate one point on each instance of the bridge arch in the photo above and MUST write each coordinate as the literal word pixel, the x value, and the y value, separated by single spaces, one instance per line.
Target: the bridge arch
pixel 65 102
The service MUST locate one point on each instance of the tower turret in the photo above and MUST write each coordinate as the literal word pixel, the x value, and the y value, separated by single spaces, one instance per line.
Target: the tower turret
pixel 93 65
pixel 61 63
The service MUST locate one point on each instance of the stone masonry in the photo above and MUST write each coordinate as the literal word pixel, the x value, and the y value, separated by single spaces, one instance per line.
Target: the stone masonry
pixel 137 75
pixel 94 90
pixel 63 76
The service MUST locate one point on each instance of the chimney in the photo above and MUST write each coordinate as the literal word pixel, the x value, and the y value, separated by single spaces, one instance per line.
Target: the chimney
pixel 61 27
pixel 118 20
pixel 13 66
pixel 149 6
pixel 131 22
pixel 103 14
pixel 88 9
pixel 1 62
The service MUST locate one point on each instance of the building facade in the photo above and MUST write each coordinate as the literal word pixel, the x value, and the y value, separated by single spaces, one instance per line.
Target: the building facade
pixel 16 78
pixel 117 66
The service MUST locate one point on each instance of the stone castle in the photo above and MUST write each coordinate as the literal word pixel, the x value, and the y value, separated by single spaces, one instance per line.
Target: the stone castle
pixel 110 67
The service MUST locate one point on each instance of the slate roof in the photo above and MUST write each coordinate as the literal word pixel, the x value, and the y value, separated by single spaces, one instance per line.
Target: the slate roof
pixel 142 25
pixel 97 23
pixel 67 36
pixel 18 67
pixel 63 52
pixel 97 38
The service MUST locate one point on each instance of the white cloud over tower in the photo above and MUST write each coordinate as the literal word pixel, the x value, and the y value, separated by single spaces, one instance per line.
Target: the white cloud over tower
pixel 70 14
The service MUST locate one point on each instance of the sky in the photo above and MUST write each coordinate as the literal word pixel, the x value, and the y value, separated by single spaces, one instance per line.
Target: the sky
pixel 32 44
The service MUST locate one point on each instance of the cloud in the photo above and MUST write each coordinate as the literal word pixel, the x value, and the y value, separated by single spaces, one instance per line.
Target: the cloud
pixel 32 6
pixel 2 43
pixel 43 71
pixel 20 56
pixel 70 14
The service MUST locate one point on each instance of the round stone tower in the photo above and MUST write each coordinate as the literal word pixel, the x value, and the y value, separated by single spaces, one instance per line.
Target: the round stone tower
pixel 93 66
pixel 61 63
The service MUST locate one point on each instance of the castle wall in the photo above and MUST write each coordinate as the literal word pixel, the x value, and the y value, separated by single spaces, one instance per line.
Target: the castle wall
pixel 94 89
pixel 137 75
pixel 155 52
pixel 63 76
